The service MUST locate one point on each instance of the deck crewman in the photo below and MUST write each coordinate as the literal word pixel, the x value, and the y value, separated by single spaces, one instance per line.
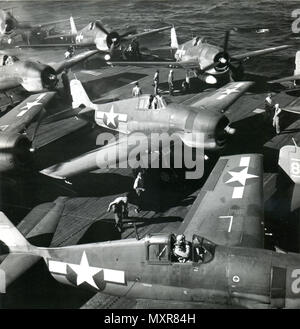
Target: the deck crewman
pixel 156 82
pixel 139 189
pixel 171 82
pixel 269 108
pixel 276 118
pixel 120 209
pixel 136 91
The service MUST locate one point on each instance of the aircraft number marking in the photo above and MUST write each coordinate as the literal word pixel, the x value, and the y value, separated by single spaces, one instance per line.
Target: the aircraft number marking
pixel 295 167
pixel 296 22
pixel 296 283
pixel 230 222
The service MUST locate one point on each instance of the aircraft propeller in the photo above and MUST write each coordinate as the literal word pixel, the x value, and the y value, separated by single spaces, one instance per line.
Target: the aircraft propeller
pixel 223 60
pixel 113 39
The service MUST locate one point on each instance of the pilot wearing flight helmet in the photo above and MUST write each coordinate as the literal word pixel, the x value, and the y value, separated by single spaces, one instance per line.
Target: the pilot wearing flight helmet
pixel 182 249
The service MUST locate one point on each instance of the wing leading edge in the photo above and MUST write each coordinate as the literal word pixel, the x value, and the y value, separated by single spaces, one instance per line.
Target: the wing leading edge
pixel 222 98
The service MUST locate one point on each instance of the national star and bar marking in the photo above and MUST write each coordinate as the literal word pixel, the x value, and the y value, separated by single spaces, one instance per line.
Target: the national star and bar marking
pixel 111 118
pixel 228 91
pixel 85 272
pixel 241 177
pixel 29 105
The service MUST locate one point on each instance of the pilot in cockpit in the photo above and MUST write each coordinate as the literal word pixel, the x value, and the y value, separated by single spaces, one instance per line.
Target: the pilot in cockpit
pixel 152 102
pixel 7 60
pixel 182 249
pixel 197 41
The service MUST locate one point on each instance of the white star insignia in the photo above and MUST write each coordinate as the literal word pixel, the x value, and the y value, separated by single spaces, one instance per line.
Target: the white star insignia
pixel 29 105
pixel 240 176
pixel 111 117
pixel 229 91
pixel 85 272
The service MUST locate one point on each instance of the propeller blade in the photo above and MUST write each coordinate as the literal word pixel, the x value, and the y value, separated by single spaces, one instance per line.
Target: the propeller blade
pixel 225 46
pixel 100 26
pixel 126 34
pixel 111 48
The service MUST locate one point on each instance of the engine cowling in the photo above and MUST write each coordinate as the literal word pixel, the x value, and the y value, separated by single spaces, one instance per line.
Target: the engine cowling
pixel 38 76
pixel 14 151
pixel 214 127
pixel 223 59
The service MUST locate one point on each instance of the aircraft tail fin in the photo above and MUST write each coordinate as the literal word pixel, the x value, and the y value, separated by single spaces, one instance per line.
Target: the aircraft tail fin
pixel 15 253
pixel 11 236
pixel 79 96
pixel 174 42
pixel 73 26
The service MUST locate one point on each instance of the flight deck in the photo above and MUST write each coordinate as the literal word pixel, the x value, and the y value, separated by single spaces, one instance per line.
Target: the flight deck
pixel 85 218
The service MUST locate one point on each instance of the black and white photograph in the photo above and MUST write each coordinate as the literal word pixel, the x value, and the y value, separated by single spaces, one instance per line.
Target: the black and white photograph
pixel 150 157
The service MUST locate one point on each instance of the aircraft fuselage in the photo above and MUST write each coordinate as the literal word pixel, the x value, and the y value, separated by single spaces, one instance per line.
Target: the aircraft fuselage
pixel 245 277
pixel 203 53
pixel 33 76
pixel 134 115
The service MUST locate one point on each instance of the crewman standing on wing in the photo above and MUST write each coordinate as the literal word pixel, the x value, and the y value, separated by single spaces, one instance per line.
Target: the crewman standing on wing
pixel 156 82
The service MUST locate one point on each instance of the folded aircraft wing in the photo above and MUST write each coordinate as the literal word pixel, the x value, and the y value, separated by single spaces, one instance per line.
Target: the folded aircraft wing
pixel 20 117
pixel 67 63
pixel 182 64
pixel 289 78
pixel 260 52
pixel 142 34
pixel 118 153
pixel 293 107
pixel 222 98
pixel 52 22
pixel 229 207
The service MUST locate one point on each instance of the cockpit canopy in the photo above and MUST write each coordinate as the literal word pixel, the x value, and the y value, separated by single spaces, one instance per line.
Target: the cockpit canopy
pixel 151 102
pixel 198 40
pixel 7 60
pixel 160 249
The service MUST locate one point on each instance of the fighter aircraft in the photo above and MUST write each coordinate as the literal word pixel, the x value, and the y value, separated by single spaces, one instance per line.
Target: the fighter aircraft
pixel 227 264
pixel 34 76
pixel 95 34
pixel 135 116
pixel 15 147
pixel 296 76
pixel 208 62
pixel 10 28
pixel 38 227
pixel 289 161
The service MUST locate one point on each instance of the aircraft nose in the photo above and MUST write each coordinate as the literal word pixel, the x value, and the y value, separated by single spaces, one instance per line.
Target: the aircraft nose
pixel 222 58
pixel 49 78
pixel 215 128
